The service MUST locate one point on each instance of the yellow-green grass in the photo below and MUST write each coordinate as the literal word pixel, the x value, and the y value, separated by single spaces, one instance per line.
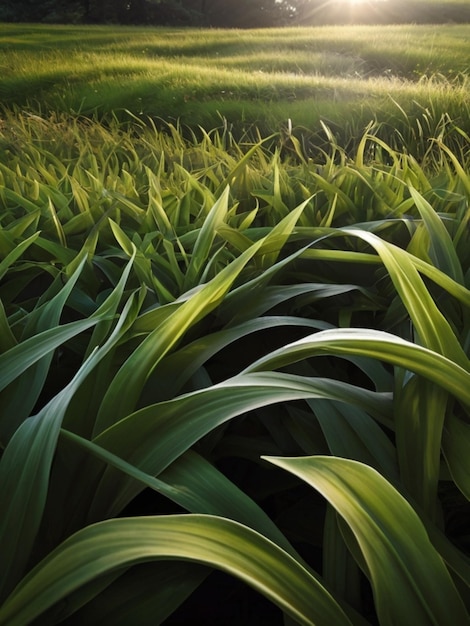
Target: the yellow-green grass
pixel 160 306
pixel 260 76
pixel 161 297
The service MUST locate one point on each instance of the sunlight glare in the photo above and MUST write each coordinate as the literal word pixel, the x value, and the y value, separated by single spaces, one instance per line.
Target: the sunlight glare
pixel 356 2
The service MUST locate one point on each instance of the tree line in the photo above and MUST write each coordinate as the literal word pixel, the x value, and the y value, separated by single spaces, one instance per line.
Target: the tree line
pixel 232 13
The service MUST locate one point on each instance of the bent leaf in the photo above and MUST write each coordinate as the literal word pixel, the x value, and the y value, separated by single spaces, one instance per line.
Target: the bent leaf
pixel 410 582
pixel 374 344
pixel 221 543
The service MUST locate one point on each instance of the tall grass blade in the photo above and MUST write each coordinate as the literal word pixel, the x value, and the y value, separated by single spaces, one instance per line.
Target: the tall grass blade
pixel 15 361
pixel 420 411
pixel 339 569
pixel 16 253
pixel 155 436
pixel 138 367
pixel 442 251
pixel 455 446
pixel 202 247
pixel 376 345
pixel 462 174
pixel 353 434
pixel 178 367
pixel 433 329
pixel 410 581
pixel 21 397
pixel 217 542
pixel 7 338
pixel 197 486
pixel 24 472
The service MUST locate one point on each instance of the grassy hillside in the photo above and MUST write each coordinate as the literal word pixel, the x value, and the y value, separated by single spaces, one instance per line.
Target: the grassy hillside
pixel 343 75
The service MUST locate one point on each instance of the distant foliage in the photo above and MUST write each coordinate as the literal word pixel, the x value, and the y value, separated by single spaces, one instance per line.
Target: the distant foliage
pixel 238 13
pixel 234 13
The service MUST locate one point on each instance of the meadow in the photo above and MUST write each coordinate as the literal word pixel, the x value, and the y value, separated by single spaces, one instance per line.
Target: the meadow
pixel 234 326
pixel 255 77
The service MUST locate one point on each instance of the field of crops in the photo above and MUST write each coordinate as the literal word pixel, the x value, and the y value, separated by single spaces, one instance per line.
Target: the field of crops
pixel 234 359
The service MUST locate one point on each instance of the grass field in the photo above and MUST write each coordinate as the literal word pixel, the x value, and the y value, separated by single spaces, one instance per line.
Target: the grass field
pixel 234 327
pixel 264 77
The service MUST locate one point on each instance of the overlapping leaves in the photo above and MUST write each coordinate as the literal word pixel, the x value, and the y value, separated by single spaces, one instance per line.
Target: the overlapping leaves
pixel 152 359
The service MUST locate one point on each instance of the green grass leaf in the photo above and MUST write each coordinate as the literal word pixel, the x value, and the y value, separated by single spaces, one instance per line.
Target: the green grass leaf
pixel 352 434
pixel 203 246
pixel 197 486
pixel 420 411
pixel 15 361
pixel 152 438
pixel 455 445
pixel 442 251
pixel 433 329
pixel 25 468
pixel 217 542
pixel 170 376
pixel 377 345
pixel 21 397
pixel 16 253
pixel 138 367
pixel 410 581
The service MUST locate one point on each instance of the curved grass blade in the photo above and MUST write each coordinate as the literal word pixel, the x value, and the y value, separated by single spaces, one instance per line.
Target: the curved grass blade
pixel 419 428
pixel 152 438
pixel 25 467
pixel 205 239
pixel 15 361
pixel 138 367
pixel 454 289
pixel 433 329
pixel 352 434
pixel 214 541
pixel 374 344
pixel 241 163
pixel 442 251
pixel 16 253
pixel 21 397
pixel 461 173
pixel 206 490
pixel 178 367
pixel 197 486
pixel 419 417
pixel 279 234
pixel 24 475
pixel 410 581
pixel 456 446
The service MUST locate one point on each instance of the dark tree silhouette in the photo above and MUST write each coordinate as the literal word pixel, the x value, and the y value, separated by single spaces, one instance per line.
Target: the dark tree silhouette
pixel 233 13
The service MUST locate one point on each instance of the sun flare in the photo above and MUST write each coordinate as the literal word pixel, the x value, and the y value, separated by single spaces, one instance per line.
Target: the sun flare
pixel 359 2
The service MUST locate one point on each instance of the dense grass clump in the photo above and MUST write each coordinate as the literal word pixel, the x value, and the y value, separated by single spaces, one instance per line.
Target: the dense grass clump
pixel 235 354
pixel 234 363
